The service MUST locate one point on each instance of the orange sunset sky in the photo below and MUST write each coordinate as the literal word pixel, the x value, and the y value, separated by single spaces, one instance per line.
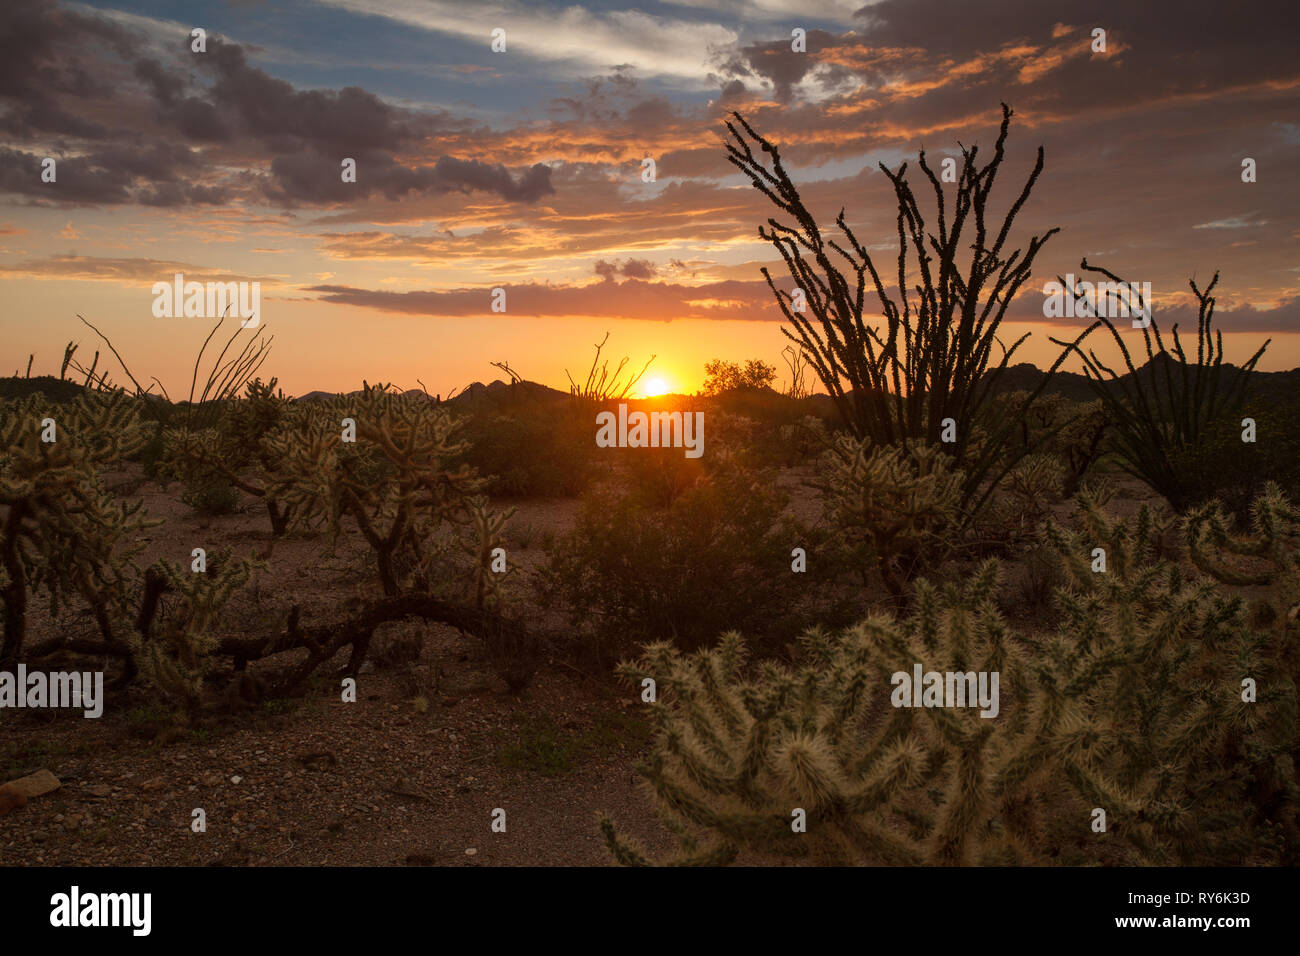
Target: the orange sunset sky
pixel 522 170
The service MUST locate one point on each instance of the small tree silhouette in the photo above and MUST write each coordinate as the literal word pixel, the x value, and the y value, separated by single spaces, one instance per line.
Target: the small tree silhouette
pixel 933 359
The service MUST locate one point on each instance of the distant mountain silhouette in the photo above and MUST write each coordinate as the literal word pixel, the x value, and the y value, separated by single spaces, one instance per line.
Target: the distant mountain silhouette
pixel 501 393
pixel 1266 386
pixel 477 395
pixel 57 390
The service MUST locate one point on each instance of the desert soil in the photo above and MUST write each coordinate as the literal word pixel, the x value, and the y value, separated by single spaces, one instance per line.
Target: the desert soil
pixel 409 774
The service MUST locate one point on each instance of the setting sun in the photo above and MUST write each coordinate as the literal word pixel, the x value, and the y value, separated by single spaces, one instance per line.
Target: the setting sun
pixel 655 387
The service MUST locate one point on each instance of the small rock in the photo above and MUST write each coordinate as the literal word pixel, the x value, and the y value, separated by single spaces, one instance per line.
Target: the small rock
pixel 100 790
pixel 236 779
pixel 36 784
pixel 470 851
pixel 154 783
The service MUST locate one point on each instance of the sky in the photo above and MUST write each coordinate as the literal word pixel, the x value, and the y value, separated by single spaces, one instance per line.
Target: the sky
pixel 523 169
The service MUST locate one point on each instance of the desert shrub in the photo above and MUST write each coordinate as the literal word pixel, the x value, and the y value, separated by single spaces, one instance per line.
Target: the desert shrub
pixel 717 553
pixel 151 454
pixel 1221 466
pixel 657 477
pixel 772 430
pixel 1135 704
pixel 721 376
pixel 210 495
pixel 897 508
pixel 803 440
pixel 241 450
pixel 1013 517
pixel 546 451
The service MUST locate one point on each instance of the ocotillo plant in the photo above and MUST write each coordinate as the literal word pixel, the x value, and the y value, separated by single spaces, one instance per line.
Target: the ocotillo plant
pixel 1162 413
pixel 932 358
pixel 603 386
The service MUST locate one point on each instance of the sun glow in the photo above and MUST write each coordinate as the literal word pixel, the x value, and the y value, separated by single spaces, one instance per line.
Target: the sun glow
pixel 655 387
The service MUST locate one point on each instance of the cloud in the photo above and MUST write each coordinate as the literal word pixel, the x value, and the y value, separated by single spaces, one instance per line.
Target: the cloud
pixel 630 299
pixel 1233 222
pixel 127 270
pixel 220 129
pixel 631 269
pixel 38 67
pixel 583 39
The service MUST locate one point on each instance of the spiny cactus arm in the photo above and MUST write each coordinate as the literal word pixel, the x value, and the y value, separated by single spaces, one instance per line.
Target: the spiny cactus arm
pixel 1095 787
pixel 808 770
pixel 875 844
pixel 712 675
pixel 625 852
pixel 898 729
pixel 966 800
pixel 899 767
pixel 720 853
pixel 850 686
pixel 711 776
pixel 1206 528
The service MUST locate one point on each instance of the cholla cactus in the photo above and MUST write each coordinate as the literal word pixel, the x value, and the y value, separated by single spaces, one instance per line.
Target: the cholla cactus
pixel 1135 705
pixel 487 534
pixel 1164 733
pixel 59 530
pixel 177 654
pixel 1072 432
pixel 1268 562
pixel 1028 490
pixel 242 447
pixel 739 749
pixel 396 481
pixel 898 507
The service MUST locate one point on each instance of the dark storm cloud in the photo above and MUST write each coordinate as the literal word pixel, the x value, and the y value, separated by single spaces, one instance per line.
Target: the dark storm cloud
pixel 312 177
pixel 110 175
pixel 286 118
pixel 58 75
pixel 36 68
